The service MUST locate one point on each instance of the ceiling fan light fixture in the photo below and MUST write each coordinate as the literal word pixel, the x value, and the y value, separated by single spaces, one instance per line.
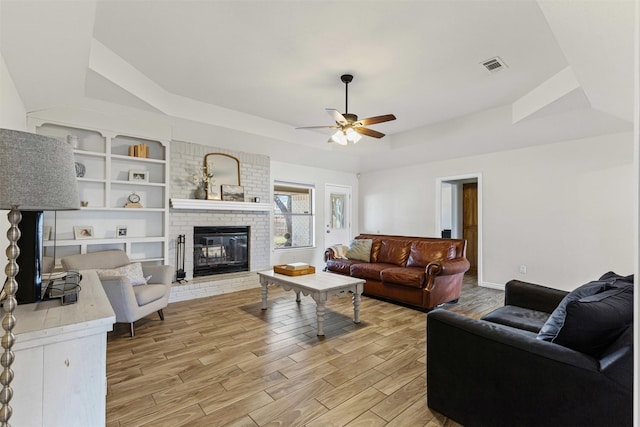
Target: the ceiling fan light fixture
pixel 350 129
pixel 339 138
pixel 352 135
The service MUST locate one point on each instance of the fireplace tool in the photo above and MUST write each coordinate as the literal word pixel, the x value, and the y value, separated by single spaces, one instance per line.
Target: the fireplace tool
pixel 180 274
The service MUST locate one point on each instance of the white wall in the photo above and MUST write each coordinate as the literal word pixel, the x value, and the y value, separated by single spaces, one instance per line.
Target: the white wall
pixel 13 115
pixel 318 177
pixel 564 210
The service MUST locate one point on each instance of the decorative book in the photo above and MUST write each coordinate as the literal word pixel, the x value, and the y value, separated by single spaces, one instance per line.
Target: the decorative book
pixel 297 266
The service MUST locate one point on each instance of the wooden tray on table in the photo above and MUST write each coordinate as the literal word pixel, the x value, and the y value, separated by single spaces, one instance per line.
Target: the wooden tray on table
pixel 282 269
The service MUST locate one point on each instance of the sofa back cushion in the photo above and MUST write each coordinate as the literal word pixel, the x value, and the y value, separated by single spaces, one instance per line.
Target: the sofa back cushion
pixel 394 252
pixel 423 252
pixel 375 249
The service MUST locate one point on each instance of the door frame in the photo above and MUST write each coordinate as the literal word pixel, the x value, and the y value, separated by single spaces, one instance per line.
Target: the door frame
pixel 438 214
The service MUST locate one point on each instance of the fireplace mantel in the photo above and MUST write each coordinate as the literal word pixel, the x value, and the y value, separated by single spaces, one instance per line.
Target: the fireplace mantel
pixel 218 205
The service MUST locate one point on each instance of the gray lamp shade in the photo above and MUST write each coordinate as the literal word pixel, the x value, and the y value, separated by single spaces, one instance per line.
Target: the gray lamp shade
pixel 37 173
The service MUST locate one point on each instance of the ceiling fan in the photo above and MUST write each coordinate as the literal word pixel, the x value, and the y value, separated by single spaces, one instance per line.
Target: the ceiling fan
pixel 349 127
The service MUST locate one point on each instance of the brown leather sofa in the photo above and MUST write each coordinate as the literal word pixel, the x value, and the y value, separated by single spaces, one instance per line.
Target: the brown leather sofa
pixel 421 272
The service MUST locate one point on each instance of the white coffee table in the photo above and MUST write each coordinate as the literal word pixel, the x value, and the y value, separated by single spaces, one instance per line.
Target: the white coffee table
pixel 320 286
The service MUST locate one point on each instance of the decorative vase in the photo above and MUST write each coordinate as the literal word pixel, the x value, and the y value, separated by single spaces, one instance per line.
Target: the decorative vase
pixel 200 192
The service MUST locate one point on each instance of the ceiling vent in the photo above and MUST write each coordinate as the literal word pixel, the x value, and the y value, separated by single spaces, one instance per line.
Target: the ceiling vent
pixel 494 64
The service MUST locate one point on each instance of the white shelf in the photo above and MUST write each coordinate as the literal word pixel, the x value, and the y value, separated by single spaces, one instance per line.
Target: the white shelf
pixel 89 153
pixel 100 241
pixel 217 205
pixel 138 183
pixel 137 159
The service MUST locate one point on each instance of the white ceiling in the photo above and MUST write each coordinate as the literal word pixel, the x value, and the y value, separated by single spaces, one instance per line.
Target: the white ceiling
pixel 268 66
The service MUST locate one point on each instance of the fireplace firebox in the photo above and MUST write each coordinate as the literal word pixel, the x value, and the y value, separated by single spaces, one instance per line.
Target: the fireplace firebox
pixel 218 250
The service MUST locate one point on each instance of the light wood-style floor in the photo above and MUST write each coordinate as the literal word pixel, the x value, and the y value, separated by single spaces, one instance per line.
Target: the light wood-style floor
pixel 221 360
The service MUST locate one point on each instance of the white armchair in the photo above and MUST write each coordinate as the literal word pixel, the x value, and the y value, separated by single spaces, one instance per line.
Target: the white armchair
pixel 129 302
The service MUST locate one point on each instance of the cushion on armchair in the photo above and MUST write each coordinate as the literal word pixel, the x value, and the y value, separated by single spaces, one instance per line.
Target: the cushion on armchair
pixel 591 317
pixel 133 271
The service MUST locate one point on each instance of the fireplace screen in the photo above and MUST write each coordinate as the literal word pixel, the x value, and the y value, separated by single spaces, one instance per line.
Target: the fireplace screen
pixel 219 250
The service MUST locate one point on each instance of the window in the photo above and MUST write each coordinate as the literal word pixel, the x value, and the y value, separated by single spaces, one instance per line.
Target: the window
pixel 293 216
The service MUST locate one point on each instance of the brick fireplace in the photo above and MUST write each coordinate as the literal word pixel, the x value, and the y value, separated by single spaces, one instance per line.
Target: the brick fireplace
pixel 186 158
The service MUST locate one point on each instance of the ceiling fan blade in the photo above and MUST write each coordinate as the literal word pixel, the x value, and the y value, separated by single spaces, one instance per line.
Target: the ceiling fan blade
pixel 337 116
pixel 369 132
pixel 377 119
pixel 318 127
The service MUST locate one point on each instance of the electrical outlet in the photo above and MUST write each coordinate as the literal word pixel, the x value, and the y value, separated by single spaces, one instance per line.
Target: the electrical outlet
pixel 523 269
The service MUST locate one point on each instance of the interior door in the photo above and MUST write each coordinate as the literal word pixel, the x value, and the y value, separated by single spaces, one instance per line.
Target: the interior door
pixel 470 223
pixel 337 215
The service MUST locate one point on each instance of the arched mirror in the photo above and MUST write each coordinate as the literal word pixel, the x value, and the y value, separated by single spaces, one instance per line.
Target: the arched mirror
pixel 222 169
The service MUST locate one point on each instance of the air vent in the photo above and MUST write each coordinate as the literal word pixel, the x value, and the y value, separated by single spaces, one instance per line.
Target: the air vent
pixel 494 64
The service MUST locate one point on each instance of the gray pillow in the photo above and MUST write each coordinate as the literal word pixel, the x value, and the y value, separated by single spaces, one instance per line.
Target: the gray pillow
pixel 360 249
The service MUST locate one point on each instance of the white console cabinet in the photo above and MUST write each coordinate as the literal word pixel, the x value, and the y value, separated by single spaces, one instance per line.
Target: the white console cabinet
pixel 110 175
pixel 60 360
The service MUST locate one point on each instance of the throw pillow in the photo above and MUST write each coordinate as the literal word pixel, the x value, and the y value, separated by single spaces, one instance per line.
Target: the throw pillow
pixel 360 249
pixel 613 277
pixel 133 271
pixel 594 322
pixel 555 321
pixel 591 317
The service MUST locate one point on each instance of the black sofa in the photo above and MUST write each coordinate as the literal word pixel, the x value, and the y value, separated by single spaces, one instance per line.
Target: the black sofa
pixel 503 370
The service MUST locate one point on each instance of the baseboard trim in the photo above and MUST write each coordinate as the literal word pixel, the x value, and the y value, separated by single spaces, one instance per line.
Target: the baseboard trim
pixel 492 286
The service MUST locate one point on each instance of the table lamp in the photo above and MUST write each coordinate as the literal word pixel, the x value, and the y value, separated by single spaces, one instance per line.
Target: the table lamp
pixel 37 173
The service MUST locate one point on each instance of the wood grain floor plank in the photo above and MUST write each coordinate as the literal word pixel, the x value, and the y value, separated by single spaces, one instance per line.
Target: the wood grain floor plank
pixel 290 402
pixel 300 381
pixel 350 409
pixel 397 379
pixel 401 399
pixel 369 419
pixel 350 388
pixel 228 414
pixel 301 415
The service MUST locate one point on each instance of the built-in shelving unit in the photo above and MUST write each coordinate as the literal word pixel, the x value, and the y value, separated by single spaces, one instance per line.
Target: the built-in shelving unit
pixel 104 189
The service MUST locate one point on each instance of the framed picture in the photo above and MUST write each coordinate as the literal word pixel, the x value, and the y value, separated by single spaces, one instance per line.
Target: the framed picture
pixel 46 232
pixel 121 231
pixel 233 193
pixel 139 176
pixel 213 192
pixel 83 232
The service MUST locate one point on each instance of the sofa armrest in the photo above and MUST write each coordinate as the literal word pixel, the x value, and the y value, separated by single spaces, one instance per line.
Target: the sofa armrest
pixel 507 374
pixel 532 296
pixel 330 252
pixel 448 267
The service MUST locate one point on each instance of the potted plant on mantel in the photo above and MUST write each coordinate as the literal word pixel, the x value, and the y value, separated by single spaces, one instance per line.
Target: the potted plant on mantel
pixel 202 179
